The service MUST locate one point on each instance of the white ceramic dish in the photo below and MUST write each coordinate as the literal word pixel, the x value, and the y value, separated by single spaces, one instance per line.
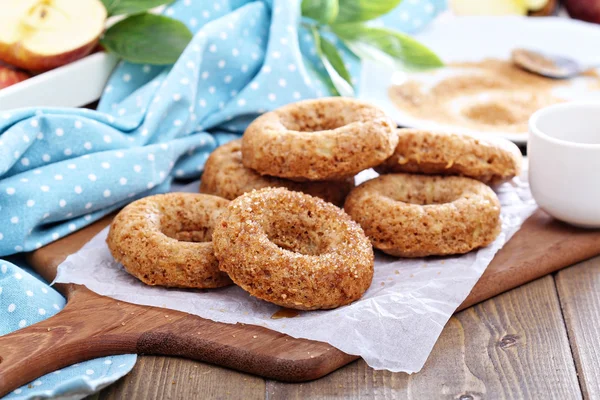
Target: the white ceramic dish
pixel 475 38
pixel 72 85
pixel 564 162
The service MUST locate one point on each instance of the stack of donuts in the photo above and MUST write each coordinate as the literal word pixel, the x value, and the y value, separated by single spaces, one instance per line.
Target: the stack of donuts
pixel 283 237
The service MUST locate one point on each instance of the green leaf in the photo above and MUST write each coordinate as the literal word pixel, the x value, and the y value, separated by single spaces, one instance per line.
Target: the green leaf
pixel 109 4
pixel 364 10
pixel 323 77
pixel 147 39
pixel 323 11
pixel 121 7
pixel 335 59
pixel 371 42
pixel 325 50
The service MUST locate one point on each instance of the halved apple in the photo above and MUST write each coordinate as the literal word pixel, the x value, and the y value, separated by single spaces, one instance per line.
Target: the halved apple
pixel 38 35
pixel 9 76
pixel 488 7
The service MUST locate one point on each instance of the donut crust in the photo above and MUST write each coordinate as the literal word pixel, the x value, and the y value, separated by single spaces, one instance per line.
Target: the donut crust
pixel 293 250
pixel 225 176
pixel 165 240
pixel 324 139
pixel 426 152
pixel 419 215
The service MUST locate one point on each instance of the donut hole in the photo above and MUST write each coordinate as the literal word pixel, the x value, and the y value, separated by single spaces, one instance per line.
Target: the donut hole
pixel 315 122
pixel 424 192
pixel 298 233
pixel 199 235
pixel 187 225
pixel 307 118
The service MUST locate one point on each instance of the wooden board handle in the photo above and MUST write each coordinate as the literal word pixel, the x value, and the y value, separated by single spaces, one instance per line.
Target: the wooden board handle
pixel 57 342
pixel 92 326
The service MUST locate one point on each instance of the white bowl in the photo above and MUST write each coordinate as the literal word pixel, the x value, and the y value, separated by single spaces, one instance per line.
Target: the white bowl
pixel 564 162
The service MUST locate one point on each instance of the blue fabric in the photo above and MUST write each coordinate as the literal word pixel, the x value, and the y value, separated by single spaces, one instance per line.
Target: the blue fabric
pixel 62 169
pixel 24 300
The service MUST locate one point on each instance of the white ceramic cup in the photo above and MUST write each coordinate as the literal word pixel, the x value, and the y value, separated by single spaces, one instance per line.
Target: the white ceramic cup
pixel 564 162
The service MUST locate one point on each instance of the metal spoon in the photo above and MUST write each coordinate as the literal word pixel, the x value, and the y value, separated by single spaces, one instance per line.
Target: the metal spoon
pixel 548 65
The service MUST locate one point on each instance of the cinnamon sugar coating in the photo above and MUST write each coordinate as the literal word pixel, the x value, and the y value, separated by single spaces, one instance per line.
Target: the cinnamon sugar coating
pixel 419 215
pixel 165 240
pixel 323 139
pixel 425 152
pixel 293 250
pixel 225 175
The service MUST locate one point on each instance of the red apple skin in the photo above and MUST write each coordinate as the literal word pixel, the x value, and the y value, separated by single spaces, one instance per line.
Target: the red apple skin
pixel 25 59
pixel 585 10
pixel 10 76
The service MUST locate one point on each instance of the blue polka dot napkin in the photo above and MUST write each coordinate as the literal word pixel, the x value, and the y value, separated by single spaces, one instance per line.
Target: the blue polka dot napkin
pixel 62 169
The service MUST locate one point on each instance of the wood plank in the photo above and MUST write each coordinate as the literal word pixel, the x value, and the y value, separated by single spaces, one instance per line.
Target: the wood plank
pixel 543 245
pixel 579 293
pixel 512 346
pixel 178 378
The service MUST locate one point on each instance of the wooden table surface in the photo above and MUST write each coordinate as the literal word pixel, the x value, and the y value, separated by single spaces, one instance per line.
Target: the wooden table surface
pixel 538 341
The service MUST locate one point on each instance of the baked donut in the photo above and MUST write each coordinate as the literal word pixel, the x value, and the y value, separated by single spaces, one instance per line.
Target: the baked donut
pixel 418 215
pixel 165 240
pixel 426 152
pixel 225 176
pixel 324 139
pixel 294 250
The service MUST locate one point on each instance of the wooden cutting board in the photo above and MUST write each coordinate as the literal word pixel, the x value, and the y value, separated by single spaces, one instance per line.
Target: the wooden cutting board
pixel 94 326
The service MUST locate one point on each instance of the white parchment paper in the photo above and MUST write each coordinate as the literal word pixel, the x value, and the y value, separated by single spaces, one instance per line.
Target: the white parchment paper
pixel 394 326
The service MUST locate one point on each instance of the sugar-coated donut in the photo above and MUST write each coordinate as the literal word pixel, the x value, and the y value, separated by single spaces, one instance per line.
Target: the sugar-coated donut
pixel 419 215
pixel 166 240
pixel 427 152
pixel 324 139
pixel 225 176
pixel 294 250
